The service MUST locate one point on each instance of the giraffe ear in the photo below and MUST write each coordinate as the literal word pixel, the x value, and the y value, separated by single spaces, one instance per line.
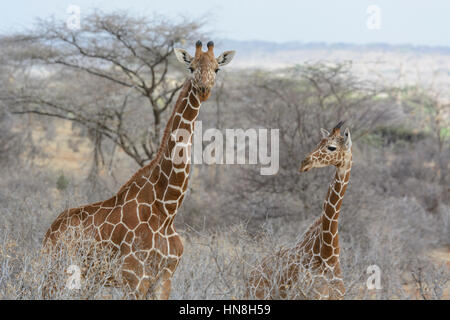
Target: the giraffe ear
pixel 325 133
pixel 183 56
pixel 225 58
pixel 348 139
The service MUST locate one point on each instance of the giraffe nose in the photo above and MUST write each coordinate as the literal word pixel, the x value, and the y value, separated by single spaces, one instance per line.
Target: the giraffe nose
pixel 204 92
pixel 305 166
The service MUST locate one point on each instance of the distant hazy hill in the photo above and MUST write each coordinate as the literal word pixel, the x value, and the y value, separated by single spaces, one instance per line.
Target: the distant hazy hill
pixel 266 46
pixel 398 65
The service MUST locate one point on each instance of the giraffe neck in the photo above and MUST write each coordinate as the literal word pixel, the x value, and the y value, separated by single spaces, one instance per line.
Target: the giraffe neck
pixel 331 209
pixel 168 172
pixel 175 153
pixel 172 163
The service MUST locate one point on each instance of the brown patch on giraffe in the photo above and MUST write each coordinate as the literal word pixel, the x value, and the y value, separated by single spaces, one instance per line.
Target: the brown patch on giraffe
pixel 144 213
pixel 177 118
pixel 101 216
pixel 96 234
pixel 327 238
pixel 132 192
pixel 89 221
pixel 115 215
pixel 118 233
pixel 171 208
pixel 161 186
pixel 170 145
pixel 326 251
pixel 172 194
pixel 132 263
pixel 125 249
pixel 155 174
pixel 316 247
pixel 143 236
pixel 90 208
pixel 336 242
pixel 155 222
pixel 193 102
pixel 166 224
pixel 130 278
pixel 160 243
pixel 308 244
pixel 146 194
pixel 130 219
pixel 336 251
pixel 121 196
pixel 110 203
pixel 139 252
pixel 334 198
pixel 129 237
pixel 337 186
pixel 347 176
pixel 106 230
pixel 185 126
pixel 158 207
pixel 344 188
pixel 166 167
pixel 180 201
pixel 177 179
pixel 325 223
pixel 75 220
pixel 83 215
pixel 190 114
pixel 334 227
pixel 154 258
pixel 332 261
pixel 186 181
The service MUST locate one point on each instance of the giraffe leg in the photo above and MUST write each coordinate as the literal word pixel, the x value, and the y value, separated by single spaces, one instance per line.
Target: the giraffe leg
pixel 131 283
pixel 143 288
pixel 163 286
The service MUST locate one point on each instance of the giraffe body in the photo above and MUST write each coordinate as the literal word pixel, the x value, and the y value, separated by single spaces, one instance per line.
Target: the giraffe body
pixel 138 221
pixel 311 269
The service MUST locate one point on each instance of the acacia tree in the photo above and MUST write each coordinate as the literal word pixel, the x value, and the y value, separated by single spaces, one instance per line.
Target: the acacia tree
pixel 111 76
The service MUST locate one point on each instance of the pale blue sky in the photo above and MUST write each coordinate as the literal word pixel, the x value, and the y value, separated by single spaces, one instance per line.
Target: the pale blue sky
pixel 420 22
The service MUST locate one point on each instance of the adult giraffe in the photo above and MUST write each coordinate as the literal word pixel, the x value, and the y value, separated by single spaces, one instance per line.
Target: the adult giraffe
pixel 137 222
pixel 311 269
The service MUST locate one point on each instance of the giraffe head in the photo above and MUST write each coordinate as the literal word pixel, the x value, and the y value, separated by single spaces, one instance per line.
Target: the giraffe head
pixel 333 149
pixel 203 66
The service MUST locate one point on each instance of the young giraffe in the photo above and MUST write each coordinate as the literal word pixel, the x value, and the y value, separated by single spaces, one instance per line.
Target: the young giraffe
pixel 138 221
pixel 311 268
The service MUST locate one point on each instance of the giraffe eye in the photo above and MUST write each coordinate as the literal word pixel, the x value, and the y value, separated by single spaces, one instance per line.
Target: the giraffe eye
pixel 331 148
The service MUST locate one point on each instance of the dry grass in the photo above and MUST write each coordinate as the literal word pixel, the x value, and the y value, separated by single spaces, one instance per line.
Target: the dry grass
pixel 76 268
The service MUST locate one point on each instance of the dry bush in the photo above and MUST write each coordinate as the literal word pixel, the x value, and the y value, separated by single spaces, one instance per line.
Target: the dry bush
pixel 37 274
pixel 218 265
